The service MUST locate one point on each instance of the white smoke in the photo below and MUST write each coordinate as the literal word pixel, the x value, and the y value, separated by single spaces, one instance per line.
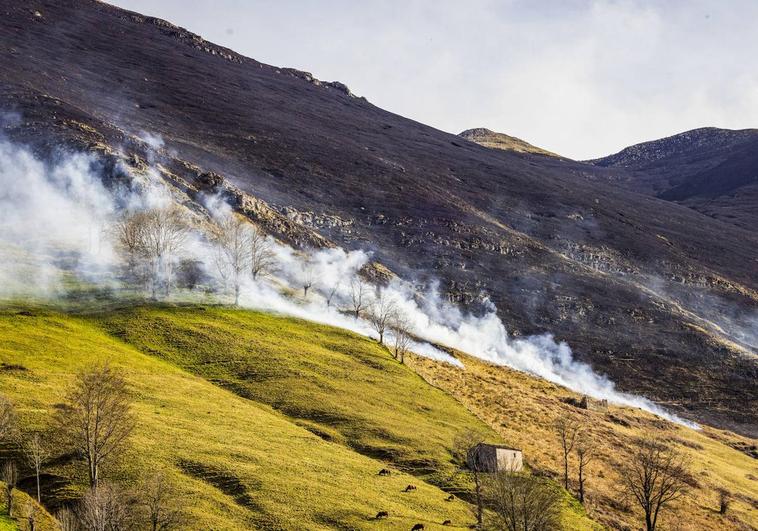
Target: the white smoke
pixel 50 211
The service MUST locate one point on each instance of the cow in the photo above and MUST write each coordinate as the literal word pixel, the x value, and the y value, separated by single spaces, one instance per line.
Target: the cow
pixel 381 514
pixel 447 522
pixel 410 488
pixel 384 472
pixel 418 527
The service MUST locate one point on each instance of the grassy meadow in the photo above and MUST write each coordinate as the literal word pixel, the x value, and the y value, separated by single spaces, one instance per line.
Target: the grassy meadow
pixel 258 421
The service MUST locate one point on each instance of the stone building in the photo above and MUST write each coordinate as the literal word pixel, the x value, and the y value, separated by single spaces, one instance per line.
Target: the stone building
pixel 498 458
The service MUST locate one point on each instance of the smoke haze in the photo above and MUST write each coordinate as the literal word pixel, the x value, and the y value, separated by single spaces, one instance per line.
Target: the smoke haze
pixel 54 223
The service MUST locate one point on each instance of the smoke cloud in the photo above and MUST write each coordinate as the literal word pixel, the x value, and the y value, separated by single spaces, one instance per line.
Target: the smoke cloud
pixel 54 221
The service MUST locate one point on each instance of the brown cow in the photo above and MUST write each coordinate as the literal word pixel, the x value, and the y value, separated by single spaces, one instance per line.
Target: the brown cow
pixel 410 488
pixel 418 527
pixel 382 514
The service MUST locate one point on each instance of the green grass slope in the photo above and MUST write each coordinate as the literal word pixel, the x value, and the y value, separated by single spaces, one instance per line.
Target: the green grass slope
pixel 237 463
pixel 337 384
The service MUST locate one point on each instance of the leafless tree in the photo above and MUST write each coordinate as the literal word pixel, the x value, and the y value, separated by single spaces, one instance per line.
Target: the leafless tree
pixel 10 478
pixel 381 314
pixel 159 501
pixel 567 429
pixel 655 475
pixel 67 520
pixel 519 502
pixel 262 259
pixel 105 508
pixel 331 292
pixel 401 336
pixel 152 239
pixel 585 452
pixel 7 418
pixel 307 278
pixel 359 296
pixel 31 515
pixel 97 417
pixel 468 459
pixel 233 239
pixel 36 452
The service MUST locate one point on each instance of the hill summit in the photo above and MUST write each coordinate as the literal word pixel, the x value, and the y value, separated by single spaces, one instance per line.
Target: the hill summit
pixel 491 139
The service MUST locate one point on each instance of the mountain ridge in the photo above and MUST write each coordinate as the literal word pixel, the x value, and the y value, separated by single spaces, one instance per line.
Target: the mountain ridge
pixel 712 170
pixel 556 249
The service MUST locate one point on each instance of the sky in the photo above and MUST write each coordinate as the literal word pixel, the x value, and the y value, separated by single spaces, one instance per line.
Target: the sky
pixel 578 77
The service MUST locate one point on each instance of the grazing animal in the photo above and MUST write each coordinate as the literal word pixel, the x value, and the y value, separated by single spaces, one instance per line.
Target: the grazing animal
pixel 381 514
pixel 447 522
pixel 384 472
pixel 450 498
pixel 418 527
pixel 410 488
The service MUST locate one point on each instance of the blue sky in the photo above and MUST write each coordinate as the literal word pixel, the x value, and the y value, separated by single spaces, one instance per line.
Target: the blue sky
pixel 581 78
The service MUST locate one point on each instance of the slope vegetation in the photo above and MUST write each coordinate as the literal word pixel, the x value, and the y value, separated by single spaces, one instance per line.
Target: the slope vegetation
pixel 259 421
pixel 523 410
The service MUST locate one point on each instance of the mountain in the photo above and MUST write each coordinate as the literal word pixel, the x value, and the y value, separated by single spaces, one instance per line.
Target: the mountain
pixel 485 137
pixel 655 295
pixel 714 171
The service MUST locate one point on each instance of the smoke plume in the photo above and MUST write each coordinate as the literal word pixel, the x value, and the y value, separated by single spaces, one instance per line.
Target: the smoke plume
pixel 54 221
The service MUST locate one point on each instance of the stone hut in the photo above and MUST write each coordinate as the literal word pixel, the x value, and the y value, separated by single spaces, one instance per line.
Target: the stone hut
pixel 592 404
pixel 497 458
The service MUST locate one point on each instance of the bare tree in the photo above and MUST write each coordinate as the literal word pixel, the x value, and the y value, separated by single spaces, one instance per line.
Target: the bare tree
pixel 154 237
pixel 518 502
pixel 67 520
pixel 468 459
pixel 401 336
pixel 97 417
pixel 129 232
pixel 158 499
pixel 381 314
pixel 331 292
pixel 105 508
pixel 35 452
pixel 262 259
pixel 655 475
pixel 359 296
pixel 10 478
pixel 233 239
pixel 567 429
pixel 307 278
pixel 7 418
pixel 585 452
pixel 31 515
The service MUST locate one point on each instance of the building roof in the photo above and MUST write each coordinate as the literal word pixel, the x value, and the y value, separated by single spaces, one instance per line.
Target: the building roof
pixel 500 446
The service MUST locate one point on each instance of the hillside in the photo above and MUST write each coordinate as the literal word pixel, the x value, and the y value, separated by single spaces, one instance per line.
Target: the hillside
pixel 522 410
pixel 714 171
pixel 265 422
pixel 629 281
pixel 491 139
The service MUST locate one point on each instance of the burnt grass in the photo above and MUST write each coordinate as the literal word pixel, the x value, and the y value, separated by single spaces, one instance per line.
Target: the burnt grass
pixel 556 244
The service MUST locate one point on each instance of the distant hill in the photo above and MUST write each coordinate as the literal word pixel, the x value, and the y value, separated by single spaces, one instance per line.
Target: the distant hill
pixel 714 171
pixel 491 139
